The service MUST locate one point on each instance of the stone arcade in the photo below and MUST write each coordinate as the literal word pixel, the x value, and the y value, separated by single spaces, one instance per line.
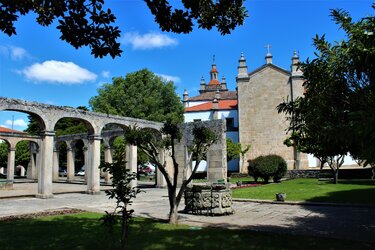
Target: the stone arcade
pixel 44 160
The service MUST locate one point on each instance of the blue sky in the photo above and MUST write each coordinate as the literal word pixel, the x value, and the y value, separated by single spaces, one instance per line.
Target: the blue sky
pixel 35 65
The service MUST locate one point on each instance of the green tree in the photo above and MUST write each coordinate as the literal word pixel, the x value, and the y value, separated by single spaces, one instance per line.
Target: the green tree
pixel 4 149
pixel 87 23
pixel 151 144
pixel 336 115
pixel 123 192
pixel 141 94
pixel 233 150
pixel 22 153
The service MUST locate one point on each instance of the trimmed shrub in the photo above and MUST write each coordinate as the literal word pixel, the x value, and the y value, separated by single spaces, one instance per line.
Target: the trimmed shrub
pixel 266 167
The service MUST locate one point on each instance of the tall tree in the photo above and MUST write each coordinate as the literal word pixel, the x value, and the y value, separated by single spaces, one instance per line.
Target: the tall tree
pixel 152 144
pixel 335 115
pixel 141 94
pixel 88 23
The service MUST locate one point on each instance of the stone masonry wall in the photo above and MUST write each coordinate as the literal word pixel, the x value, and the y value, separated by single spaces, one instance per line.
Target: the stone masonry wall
pixel 216 156
pixel 259 123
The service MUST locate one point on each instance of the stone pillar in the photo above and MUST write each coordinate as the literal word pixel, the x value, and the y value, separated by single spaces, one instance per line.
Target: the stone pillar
pixel 55 171
pixel 32 172
pixel 217 162
pixel 93 175
pixel 11 163
pixel 70 162
pixel 46 163
pixel 159 177
pixel 1 170
pixel 86 160
pixel 131 161
pixel 108 153
pixel 181 155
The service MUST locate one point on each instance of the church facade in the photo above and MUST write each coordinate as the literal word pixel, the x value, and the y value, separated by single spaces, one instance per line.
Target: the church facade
pixel 250 111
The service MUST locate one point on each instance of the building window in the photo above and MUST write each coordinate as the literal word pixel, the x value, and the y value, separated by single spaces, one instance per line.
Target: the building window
pixel 230 124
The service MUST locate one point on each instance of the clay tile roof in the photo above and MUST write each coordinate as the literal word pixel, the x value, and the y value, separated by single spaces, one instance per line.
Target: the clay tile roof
pixel 209 96
pixel 223 105
pixel 214 82
pixel 8 130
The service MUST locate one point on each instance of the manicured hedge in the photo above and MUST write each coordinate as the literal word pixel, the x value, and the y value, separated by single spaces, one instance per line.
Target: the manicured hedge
pixel 266 167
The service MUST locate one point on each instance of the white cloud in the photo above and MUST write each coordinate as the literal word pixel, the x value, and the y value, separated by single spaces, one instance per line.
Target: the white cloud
pixel 15 53
pixel 58 72
pixel 105 73
pixel 146 41
pixel 174 79
pixel 17 122
pixel 4 126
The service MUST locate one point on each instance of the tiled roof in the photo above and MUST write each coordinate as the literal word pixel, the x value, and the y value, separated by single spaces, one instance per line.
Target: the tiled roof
pixel 223 105
pixel 209 96
pixel 214 82
pixel 8 130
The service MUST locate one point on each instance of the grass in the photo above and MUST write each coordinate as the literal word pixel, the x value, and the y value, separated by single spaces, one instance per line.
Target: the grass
pixel 243 179
pixel 361 191
pixel 84 231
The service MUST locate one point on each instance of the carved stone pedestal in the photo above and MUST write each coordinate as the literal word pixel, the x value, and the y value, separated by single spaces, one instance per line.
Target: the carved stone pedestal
pixel 209 200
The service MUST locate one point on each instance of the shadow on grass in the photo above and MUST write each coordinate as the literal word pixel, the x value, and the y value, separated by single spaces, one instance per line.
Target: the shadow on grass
pixel 84 231
pixel 355 196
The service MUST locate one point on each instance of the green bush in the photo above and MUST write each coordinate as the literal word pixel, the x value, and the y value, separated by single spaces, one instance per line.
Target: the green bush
pixel 266 167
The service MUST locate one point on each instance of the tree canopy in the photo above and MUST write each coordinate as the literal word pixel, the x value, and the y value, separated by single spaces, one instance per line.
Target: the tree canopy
pixel 88 23
pixel 141 94
pixel 336 114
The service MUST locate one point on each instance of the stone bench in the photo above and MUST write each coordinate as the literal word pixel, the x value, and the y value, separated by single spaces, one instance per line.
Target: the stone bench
pixel 6 184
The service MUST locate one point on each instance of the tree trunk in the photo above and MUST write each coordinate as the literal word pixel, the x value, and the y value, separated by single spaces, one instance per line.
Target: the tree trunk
pixel 172 205
pixel 335 176
pixel 173 216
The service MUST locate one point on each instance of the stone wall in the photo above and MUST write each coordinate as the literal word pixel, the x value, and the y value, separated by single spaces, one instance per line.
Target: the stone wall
pixel 217 153
pixel 259 122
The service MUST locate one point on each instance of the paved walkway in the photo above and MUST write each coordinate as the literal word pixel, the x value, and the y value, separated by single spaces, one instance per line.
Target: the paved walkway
pixel 356 223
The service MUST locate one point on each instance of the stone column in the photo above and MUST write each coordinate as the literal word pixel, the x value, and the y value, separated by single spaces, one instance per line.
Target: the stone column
pixel 181 155
pixel 93 174
pixel 11 163
pixel 108 152
pixel 159 177
pixel 86 160
pixel 131 161
pixel 217 162
pixel 32 172
pixel 55 171
pixel 46 163
pixel 70 162
pixel 1 170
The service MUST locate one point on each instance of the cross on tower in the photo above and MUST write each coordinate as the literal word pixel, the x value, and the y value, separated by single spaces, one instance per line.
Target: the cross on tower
pixel 268 48
pixel 213 59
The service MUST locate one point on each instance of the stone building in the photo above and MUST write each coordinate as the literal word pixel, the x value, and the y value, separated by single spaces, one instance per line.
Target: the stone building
pixel 259 93
pixel 251 109
pixel 214 102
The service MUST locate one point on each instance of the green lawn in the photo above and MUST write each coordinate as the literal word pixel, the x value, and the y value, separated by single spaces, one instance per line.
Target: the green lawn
pixel 83 231
pixel 361 191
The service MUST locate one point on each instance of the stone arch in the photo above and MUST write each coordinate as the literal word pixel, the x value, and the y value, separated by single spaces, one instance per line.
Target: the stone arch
pixel 88 124
pixel 40 117
pixel 12 141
